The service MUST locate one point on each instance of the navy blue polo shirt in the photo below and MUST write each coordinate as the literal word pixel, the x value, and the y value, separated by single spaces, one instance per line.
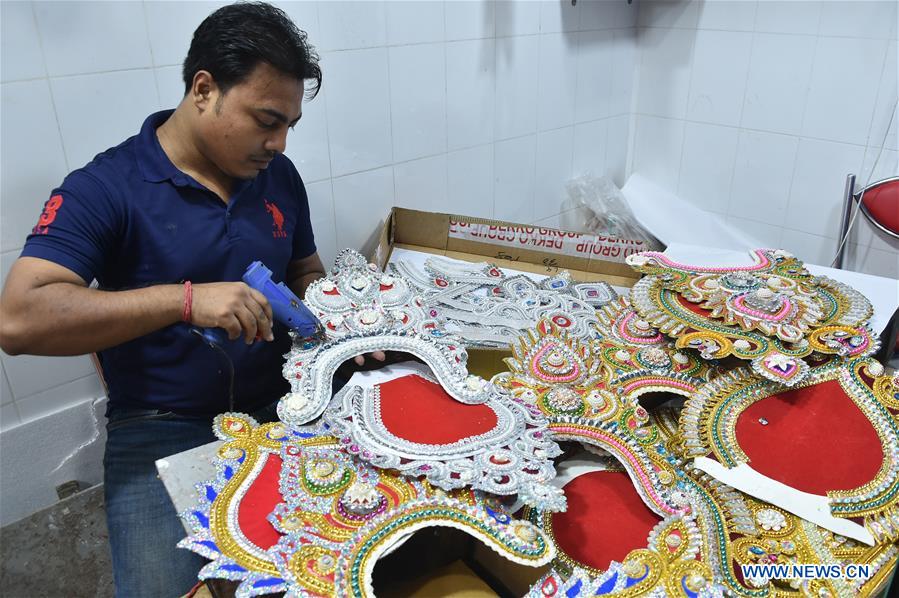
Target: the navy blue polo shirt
pixel 131 219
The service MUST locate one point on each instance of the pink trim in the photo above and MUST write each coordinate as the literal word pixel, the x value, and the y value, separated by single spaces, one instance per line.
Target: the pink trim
pixel 739 303
pixel 785 374
pixel 758 253
pixel 864 345
pixel 536 370
pixel 622 330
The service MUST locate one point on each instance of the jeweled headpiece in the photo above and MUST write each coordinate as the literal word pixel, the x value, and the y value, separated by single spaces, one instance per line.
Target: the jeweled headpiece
pixel 639 359
pixel 773 313
pixel 363 310
pixel 596 379
pixel 826 449
pixel 487 308
pixel 785 539
pixel 609 542
pixel 400 418
pixel 291 511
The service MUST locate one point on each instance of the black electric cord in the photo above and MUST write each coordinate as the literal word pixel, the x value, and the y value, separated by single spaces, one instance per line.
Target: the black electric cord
pixel 227 360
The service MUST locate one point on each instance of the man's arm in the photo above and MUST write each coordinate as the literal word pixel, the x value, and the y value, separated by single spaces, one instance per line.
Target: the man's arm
pixel 303 272
pixel 46 309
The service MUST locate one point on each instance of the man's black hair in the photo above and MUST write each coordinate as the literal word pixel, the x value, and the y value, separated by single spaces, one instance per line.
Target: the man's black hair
pixel 233 40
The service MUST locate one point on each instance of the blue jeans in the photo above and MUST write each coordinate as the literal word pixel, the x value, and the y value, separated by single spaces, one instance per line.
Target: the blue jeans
pixel 143 525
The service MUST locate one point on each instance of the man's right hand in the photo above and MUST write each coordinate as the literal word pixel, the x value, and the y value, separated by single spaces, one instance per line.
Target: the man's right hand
pixel 47 309
pixel 234 306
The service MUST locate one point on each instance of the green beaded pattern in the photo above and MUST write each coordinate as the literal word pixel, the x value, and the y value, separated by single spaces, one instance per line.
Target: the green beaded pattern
pixel 546 407
pixel 652 438
pixel 724 448
pixel 699 324
pixel 723 543
pixel 441 515
pixel 870 402
pixel 325 489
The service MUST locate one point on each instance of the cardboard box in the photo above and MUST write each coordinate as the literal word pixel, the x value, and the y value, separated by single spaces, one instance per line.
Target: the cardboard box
pixel 535 249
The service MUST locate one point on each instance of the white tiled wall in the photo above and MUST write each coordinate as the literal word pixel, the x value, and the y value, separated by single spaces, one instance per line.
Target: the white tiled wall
pixel 476 107
pixel 758 110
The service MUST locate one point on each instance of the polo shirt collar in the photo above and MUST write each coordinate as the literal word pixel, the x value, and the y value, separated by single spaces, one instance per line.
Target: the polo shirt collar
pixel 156 166
pixel 151 159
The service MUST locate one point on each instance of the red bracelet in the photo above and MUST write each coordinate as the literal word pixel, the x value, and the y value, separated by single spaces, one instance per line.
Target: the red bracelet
pixel 188 302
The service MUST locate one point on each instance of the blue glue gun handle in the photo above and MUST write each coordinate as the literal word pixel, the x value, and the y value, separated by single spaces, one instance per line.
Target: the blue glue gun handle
pixel 286 307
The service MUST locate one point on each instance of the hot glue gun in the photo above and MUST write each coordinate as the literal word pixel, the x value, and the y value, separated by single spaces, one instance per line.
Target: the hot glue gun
pixel 287 308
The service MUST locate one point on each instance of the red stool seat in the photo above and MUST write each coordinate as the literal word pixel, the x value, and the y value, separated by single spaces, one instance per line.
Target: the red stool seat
pixel 882 203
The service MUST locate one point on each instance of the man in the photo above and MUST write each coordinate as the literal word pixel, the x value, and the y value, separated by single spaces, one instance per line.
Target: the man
pixel 160 222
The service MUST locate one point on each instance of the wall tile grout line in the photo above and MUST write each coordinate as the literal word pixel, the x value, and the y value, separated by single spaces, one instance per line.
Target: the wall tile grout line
pixel 40 41
pixel 54 387
pixel 754 130
pixel 150 50
pixel 330 178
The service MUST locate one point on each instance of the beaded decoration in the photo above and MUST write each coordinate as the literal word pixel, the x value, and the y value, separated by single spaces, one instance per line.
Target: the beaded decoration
pixel 217 531
pixel 786 539
pixel 587 401
pixel 363 310
pixel 708 426
pixel 559 376
pixel 489 309
pixel 636 354
pixel 570 377
pixel 678 558
pixel 772 313
pixel 512 456
pixel 332 517
pixel 340 516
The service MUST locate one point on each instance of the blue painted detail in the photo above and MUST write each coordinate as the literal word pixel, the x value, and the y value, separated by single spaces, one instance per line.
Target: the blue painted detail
pixel 575 590
pixel 229 472
pixel 608 586
pixel 209 544
pixel 203 519
pixel 690 593
pixel 233 567
pixel 268 581
pixel 498 515
pixel 210 493
pixel 632 581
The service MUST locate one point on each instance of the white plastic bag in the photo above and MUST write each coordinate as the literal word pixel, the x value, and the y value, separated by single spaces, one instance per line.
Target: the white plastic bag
pixel 595 205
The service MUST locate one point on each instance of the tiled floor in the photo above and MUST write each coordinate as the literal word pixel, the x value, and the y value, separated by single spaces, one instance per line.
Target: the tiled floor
pixel 62 551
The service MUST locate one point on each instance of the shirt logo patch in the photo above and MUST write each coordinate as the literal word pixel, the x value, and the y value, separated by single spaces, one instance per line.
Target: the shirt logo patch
pixel 47 216
pixel 277 220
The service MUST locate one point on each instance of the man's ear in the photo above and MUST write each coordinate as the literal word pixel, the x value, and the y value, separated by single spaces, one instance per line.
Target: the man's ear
pixel 204 90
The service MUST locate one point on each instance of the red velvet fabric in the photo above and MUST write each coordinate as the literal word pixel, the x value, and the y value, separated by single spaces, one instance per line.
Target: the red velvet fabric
pixel 421 411
pixel 605 520
pixel 816 439
pixel 260 500
pixel 882 202
pixel 694 307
